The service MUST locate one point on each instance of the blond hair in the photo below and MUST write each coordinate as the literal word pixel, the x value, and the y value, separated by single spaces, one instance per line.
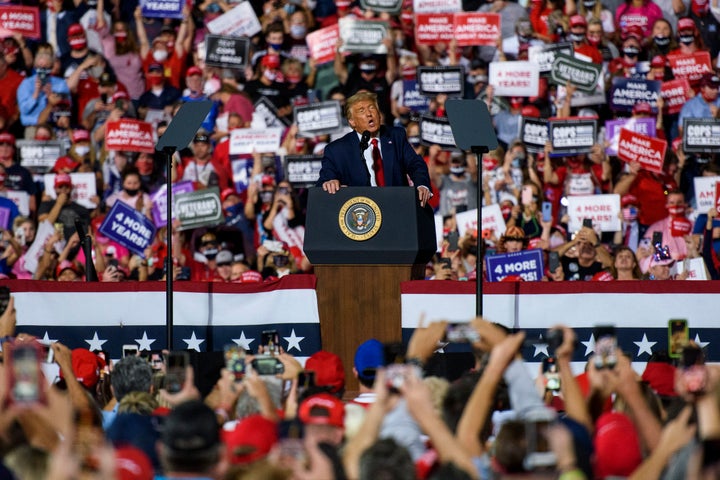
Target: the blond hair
pixel 360 96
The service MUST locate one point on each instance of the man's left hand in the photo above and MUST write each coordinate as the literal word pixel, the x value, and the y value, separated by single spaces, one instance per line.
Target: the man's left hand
pixel 424 195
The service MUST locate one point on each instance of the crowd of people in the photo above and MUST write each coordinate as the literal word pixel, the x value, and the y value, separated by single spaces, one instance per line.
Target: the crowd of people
pixel 149 417
pixel 99 62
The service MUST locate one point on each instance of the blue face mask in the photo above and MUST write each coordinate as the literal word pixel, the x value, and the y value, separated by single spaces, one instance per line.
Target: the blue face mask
pixel 275 46
pixel 235 210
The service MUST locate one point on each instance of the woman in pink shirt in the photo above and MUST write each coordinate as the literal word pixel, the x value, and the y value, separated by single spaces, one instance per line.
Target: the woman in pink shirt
pixel 121 49
pixel 642 13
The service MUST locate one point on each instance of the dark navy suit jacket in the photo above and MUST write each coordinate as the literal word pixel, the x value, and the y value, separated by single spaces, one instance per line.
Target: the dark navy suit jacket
pixel 342 161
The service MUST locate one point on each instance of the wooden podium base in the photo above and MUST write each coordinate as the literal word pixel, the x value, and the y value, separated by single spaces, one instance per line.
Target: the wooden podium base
pixel 359 302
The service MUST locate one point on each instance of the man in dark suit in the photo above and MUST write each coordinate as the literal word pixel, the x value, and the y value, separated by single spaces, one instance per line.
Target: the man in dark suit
pixel 385 158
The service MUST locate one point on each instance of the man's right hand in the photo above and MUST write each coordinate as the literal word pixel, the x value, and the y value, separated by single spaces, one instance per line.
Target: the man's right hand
pixel 331 186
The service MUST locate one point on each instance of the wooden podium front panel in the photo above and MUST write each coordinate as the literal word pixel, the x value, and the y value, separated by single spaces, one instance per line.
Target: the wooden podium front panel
pixel 356 303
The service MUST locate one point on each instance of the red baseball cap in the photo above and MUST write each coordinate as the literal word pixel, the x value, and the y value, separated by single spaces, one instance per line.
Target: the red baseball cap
pixel 634 31
pixel 271 61
pixel 75 29
pixel 661 377
pixel 642 108
pixel 194 71
pixel 80 135
pixel 328 368
pixel 658 61
pixel 63 179
pixel 617 446
pixel 6 137
pixel 323 409
pixel 530 111
pixel 226 193
pixel 685 24
pixel 578 21
pixel 132 464
pixel 64 163
pixel 250 439
pixel 628 199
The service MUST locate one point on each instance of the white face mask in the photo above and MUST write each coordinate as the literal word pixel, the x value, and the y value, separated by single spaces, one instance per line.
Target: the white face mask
pixel 82 150
pixel 160 55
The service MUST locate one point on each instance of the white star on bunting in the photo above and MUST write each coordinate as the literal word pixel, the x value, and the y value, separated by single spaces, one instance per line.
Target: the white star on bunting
pixel 144 342
pixel 243 342
pixel 293 341
pixel 193 343
pixel 589 345
pixel 644 345
pixel 95 343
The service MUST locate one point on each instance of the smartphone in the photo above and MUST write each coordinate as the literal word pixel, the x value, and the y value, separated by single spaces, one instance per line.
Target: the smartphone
pixel 306 380
pixel 452 239
pixel 267 366
pixel 657 238
pixel 113 262
pixel 605 346
pixel 526 197
pixel 446 263
pixel 104 97
pixel 177 363
pixel 678 336
pixel 4 298
pixel 547 212
pixel 60 228
pixel 280 261
pixel 694 372
pixel 461 333
pixel 291 446
pixel 130 350
pixel 270 341
pixel 538 454
pixel 550 371
pixel 235 361
pixel 156 360
pixel 24 373
pixel 587 222
pixel 553 261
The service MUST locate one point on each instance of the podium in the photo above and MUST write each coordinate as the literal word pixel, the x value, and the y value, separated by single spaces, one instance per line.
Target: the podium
pixel 363 242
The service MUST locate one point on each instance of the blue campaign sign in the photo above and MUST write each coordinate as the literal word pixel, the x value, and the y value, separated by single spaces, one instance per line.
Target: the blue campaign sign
pixel 129 228
pixel 162 8
pixel 626 92
pixel 412 97
pixel 527 264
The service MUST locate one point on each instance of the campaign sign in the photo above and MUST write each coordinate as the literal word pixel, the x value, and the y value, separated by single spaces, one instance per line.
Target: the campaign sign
pixel 705 188
pixel 476 28
pixel 493 220
pixel 515 79
pixel 646 126
pixel 527 264
pixel 248 140
pixel 572 135
pixel 675 93
pixel 412 98
pixel 5 218
pixel 267 111
pixel 636 147
pixel 701 135
pixel 159 201
pixel 544 55
pixel 19 19
pixel 322 44
pixel 691 66
pixel 435 80
pixel 39 156
pixel 302 171
pixel 717 197
pixel 129 135
pixel 695 267
pixel 84 188
pixel 390 6
pixel 242 172
pixel 162 8
pixel 534 133
pixel 226 52
pixel 584 75
pixel 128 227
pixel 466 221
pixel 431 28
pixel 199 209
pixel 241 21
pixel 626 92
pixel 318 118
pixel 363 36
pixel 20 198
pixel 603 210
pixel 437 6
pixel 436 131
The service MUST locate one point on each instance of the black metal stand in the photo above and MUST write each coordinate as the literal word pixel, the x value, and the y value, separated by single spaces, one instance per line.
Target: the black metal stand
pixel 169 263
pixel 86 244
pixel 479 151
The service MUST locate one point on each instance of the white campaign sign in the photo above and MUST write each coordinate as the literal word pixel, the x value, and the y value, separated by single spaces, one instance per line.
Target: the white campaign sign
pixel 705 193
pixel 247 140
pixel 437 6
pixel 695 266
pixel 492 219
pixel 84 187
pixel 515 79
pixel 241 21
pixel 603 210
pixel 439 231
pixel 21 199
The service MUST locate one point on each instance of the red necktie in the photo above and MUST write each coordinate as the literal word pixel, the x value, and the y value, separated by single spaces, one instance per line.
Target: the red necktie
pixel 377 164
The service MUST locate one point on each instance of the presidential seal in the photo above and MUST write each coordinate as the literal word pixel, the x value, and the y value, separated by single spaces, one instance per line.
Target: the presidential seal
pixel 360 218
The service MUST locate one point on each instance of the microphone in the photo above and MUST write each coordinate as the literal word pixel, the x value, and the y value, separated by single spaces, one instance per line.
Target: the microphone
pixel 364 141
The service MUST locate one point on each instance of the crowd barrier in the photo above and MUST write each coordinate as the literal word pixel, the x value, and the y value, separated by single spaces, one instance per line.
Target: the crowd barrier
pixel 209 315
